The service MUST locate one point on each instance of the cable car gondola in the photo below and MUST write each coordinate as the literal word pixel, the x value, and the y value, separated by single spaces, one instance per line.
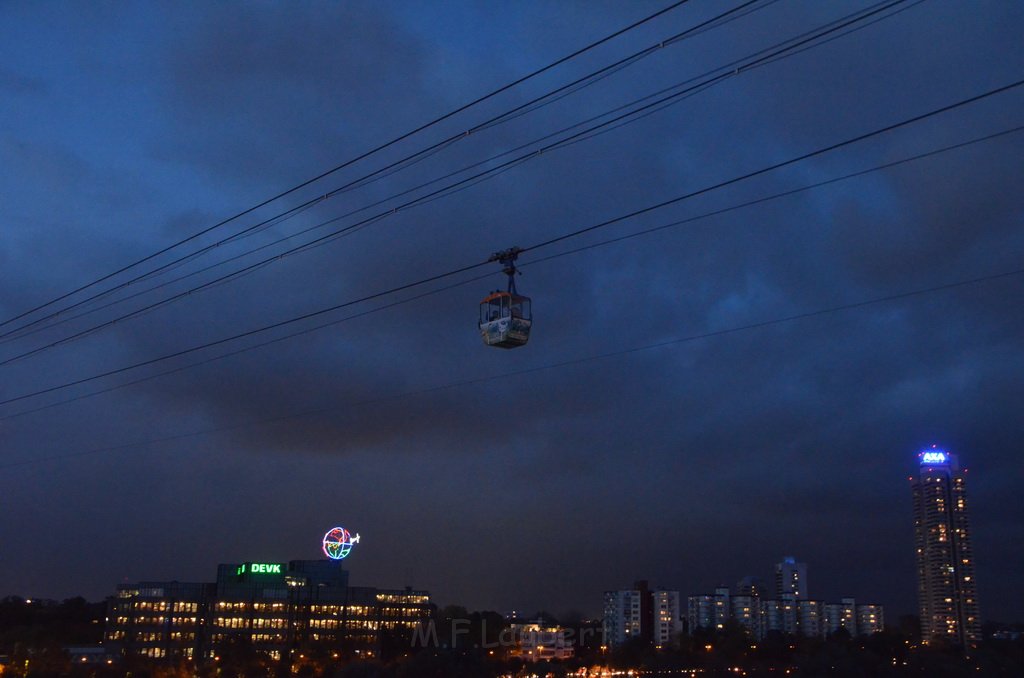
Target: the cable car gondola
pixel 505 317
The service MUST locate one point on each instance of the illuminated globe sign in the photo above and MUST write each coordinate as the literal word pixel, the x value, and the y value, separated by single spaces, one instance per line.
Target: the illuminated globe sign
pixel 338 543
pixel 934 457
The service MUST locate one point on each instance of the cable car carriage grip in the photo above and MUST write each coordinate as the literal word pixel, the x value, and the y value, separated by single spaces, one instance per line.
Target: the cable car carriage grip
pixel 505 317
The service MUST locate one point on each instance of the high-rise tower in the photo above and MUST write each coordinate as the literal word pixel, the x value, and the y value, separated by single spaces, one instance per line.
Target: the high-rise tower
pixel 946 587
pixel 791 578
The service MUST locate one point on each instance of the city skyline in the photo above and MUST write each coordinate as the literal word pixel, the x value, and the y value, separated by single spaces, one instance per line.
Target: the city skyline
pixel 728 363
pixel 790 576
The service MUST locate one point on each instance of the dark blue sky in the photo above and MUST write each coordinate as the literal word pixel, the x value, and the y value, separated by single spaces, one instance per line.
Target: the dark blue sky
pixel 126 127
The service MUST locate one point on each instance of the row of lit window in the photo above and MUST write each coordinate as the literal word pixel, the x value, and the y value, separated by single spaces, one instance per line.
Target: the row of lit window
pixel 406 598
pixel 224 605
pixel 160 606
pixel 259 607
pixel 142 621
pixel 336 609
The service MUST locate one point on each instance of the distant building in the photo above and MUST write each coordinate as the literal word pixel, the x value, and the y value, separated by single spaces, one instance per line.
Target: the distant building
pixel 842 615
pixel 668 617
pixel 791 579
pixel 723 606
pixel 946 586
pixel 791 613
pixel 538 641
pixel 751 586
pixel 870 619
pixel 746 610
pixel 651 615
pixel 770 620
pixel 700 612
pixel 622 617
pixel 274 607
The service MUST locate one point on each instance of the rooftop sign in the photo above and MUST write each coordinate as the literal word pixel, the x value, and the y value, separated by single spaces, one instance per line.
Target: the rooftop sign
pixel 260 568
pixel 338 543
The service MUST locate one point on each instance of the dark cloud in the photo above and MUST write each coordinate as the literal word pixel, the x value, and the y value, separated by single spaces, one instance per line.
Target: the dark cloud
pixel 689 465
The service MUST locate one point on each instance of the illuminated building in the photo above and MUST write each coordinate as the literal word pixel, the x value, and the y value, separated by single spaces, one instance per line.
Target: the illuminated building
pixel 537 641
pixel 750 586
pixel 946 586
pixel 722 606
pixel 870 619
pixel 809 618
pixel 791 613
pixel 842 615
pixel 746 603
pixel 791 578
pixel 668 619
pixel 653 616
pixel 778 616
pixel 700 612
pixel 771 620
pixel 275 607
pixel 747 611
pixel 857 620
pixel 622 619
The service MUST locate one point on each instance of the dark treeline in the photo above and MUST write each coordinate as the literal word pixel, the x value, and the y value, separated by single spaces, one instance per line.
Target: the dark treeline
pixel 39 623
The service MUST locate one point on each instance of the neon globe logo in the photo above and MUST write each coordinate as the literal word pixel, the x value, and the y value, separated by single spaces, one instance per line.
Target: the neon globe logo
pixel 338 543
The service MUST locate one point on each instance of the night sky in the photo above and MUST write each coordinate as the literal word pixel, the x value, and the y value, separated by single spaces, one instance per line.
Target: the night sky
pixel 127 126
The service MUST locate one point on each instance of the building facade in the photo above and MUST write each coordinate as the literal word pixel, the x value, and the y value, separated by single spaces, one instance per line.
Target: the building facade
pixel 700 612
pixel 792 612
pixel 668 617
pixel 946 587
pixel 540 641
pixel 622 618
pixel 791 579
pixel 654 616
pixel 276 608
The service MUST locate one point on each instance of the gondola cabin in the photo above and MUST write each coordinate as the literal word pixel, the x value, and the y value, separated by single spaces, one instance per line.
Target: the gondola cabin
pixel 505 319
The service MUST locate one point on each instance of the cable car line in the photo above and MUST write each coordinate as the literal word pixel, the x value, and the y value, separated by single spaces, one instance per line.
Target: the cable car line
pixel 566 236
pixel 366 154
pixel 767 54
pixel 361 181
pixel 557 255
pixel 669 343
pixel 780 165
pixel 758 65
pixel 408 160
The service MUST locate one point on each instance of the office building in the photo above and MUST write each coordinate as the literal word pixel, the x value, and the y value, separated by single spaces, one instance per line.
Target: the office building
pixel 946 586
pixel 275 607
